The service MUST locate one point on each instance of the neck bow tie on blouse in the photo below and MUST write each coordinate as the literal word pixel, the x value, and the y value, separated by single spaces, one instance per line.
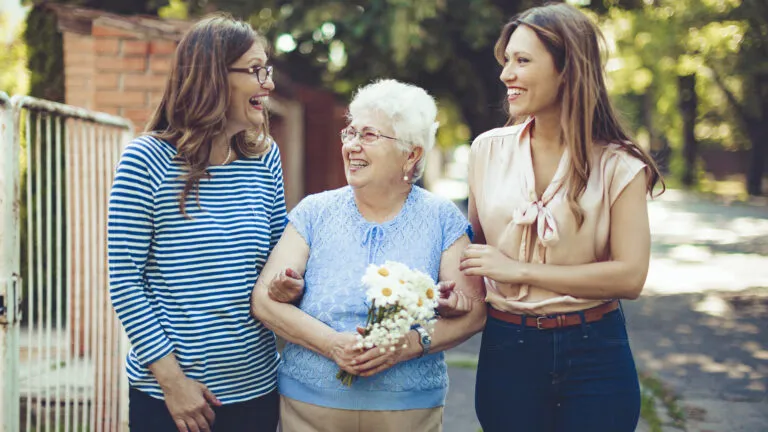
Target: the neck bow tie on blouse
pixel 536 212
pixel 546 226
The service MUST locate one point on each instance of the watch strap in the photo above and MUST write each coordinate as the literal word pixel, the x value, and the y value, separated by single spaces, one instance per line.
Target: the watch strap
pixel 425 340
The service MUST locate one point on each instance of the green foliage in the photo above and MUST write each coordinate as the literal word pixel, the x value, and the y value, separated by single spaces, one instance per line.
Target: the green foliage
pixel 44 55
pixel 722 42
pixel 176 9
pixel 14 78
pixel 452 129
pixel 654 390
pixel 445 46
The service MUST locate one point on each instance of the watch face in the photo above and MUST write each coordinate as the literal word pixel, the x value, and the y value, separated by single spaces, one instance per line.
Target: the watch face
pixel 425 340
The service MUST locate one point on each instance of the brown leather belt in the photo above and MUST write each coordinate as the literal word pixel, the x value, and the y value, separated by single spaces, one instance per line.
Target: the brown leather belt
pixel 556 321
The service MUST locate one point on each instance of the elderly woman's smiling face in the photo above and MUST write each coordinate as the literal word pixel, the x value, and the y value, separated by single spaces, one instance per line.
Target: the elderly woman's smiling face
pixel 374 162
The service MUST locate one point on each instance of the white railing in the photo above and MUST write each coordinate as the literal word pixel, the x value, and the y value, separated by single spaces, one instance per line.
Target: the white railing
pixel 9 264
pixel 70 374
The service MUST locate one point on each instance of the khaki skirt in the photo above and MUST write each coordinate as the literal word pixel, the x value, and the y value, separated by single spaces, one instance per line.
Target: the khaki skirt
pixel 298 416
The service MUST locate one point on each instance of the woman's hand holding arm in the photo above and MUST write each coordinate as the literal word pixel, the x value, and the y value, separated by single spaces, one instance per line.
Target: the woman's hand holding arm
pixel 451 331
pixel 452 302
pixel 286 287
pixel 285 319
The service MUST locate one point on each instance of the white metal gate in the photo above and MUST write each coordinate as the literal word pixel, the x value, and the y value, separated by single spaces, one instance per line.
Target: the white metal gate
pixel 62 346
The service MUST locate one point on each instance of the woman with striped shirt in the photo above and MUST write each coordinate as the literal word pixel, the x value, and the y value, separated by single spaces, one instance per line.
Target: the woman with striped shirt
pixel 196 207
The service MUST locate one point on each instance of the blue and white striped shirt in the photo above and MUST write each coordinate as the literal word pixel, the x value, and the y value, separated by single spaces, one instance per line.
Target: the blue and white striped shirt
pixel 183 285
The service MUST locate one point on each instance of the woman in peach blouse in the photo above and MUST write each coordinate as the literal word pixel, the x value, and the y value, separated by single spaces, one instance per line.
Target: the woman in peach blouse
pixel 558 205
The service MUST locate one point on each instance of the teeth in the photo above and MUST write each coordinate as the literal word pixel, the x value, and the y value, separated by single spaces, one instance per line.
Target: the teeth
pixel 257 100
pixel 515 91
pixel 358 164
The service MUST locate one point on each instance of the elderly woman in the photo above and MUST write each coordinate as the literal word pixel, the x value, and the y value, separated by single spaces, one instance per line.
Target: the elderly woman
pixel 330 240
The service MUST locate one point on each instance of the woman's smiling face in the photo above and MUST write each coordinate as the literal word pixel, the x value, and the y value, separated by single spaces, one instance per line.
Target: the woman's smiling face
pixel 532 81
pixel 247 94
pixel 381 162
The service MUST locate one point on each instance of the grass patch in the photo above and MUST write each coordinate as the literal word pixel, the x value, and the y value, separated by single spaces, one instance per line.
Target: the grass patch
pixel 462 363
pixel 648 410
pixel 653 390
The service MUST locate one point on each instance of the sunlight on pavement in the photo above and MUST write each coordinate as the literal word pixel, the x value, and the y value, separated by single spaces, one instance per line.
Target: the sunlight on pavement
pixel 705 363
pixel 715 306
pixel 734 272
pixel 756 350
pixel 690 253
pixel 700 246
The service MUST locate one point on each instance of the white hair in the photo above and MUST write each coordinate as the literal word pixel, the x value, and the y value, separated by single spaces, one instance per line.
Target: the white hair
pixel 409 108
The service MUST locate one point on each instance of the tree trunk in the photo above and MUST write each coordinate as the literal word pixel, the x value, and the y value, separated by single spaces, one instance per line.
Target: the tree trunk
pixel 758 136
pixel 686 86
pixel 757 130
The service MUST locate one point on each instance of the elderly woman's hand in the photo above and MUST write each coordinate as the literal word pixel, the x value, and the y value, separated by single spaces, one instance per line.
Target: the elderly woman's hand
pixel 373 360
pixel 286 287
pixel 343 350
pixel 451 302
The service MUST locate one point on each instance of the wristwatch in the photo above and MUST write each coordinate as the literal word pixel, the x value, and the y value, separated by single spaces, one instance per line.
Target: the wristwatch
pixel 425 340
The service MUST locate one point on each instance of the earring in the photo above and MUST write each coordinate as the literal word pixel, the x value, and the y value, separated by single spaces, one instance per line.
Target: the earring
pixel 405 178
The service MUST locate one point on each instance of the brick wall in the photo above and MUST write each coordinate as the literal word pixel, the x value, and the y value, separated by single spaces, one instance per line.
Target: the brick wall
pixel 117 66
pixel 116 71
pixel 79 65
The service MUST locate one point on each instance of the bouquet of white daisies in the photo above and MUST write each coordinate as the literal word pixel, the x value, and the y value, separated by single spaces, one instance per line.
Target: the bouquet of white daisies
pixel 400 298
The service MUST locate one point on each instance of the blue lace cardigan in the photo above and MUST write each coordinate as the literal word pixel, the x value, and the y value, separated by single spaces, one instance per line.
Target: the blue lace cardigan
pixel 342 244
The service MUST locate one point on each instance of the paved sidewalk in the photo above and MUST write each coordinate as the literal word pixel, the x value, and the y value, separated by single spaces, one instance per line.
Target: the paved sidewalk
pixel 717 364
pixel 700 325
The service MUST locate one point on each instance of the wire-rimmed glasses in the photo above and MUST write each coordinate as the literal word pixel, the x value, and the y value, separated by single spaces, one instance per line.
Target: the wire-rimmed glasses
pixel 366 135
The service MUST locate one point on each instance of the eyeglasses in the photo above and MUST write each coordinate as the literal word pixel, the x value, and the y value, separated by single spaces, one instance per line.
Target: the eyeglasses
pixel 262 73
pixel 367 135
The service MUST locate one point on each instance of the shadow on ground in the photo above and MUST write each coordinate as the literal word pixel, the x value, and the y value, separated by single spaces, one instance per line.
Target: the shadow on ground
pixel 710 348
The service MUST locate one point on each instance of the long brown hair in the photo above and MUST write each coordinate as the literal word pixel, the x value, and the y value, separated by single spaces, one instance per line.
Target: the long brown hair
pixel 193 110
pixel 588 117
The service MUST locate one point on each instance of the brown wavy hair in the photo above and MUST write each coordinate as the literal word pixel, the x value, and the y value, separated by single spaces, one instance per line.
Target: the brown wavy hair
pixel 588 117
pixel 193 110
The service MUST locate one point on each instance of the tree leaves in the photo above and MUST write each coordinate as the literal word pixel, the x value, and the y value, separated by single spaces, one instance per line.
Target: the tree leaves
pixel 443 45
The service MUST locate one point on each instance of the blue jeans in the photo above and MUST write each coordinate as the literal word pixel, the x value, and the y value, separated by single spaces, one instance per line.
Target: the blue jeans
pixel 573 379
pixel 147 414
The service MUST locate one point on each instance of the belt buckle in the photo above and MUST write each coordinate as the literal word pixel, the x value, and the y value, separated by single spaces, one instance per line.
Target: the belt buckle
pixel 538 322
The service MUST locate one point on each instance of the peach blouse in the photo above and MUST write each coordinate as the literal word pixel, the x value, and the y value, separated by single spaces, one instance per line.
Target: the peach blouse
pixel 542 229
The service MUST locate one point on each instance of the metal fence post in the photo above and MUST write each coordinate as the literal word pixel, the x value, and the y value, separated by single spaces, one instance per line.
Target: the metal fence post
pixel 9 268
